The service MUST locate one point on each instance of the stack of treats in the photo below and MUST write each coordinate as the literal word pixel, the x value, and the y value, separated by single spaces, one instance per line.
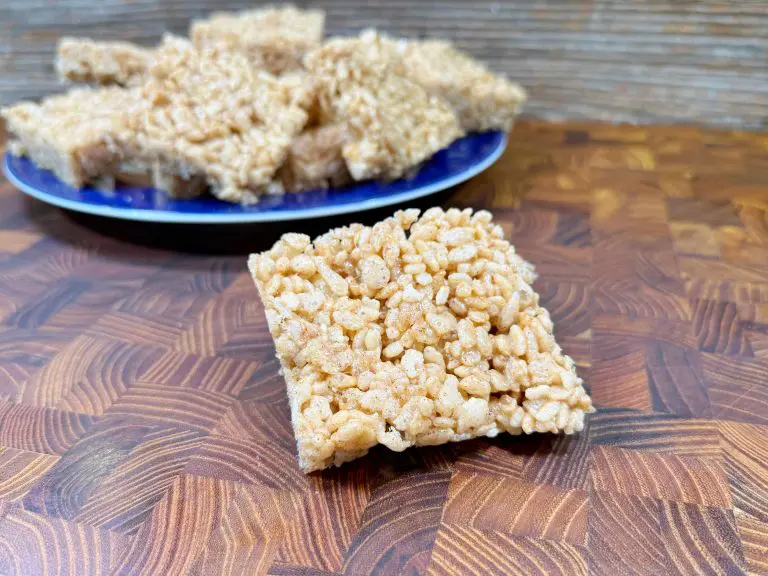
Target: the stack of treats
pixel 257 103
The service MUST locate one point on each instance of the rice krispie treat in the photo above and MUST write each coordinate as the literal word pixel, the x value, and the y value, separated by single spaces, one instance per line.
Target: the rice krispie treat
pixel 69 134
pixel 413 332
pixel 481 99
pixel 210 112
pixel 84 60
pixel 274 38
pixel 74 135
pixel 315 161
pixel 393 124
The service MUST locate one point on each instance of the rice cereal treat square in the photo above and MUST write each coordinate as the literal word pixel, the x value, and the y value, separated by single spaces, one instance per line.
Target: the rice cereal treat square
pixel 85 60
pixel 274 38
pixel 69 134
pixel 412 332
pixel 315 161
pixel 392 123
pixel 208 111
pixel 482 100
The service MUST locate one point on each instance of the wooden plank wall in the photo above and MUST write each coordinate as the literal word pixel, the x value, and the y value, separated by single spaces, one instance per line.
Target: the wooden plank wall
pixel 703 61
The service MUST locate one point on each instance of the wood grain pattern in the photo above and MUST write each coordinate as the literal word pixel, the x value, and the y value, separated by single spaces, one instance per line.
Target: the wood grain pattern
pixel 409 505
pixel 34 544
pixel 20 471
pixel 701 61
pixel 179 525
pixel 498 553
pixel 536 510
pixel 747 467
pixel 249 535
pixel 625 535
pixel 144 427
pixel 701 540
pixel 754 538
pixel 664 477
pixel 128 493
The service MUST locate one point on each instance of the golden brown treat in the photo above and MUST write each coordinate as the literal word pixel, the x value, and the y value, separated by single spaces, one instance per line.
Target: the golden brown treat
pixel 274 38
pixel 199 112
pixel 210 112
pixel 393 123
pixel 315 160
pixel 482 100
pixel 74 135
pixel 413 332
pixel 69 133
pixel 84 60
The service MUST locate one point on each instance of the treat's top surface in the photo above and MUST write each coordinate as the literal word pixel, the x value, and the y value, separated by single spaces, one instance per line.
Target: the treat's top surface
pixel 483 100
pixel 262 26
pixel 72 121
pixel 71 51
pixel 394 123
pixel 415 331
pixel 225 90
pixel 86 60
pixel 438 63
pixel 212 109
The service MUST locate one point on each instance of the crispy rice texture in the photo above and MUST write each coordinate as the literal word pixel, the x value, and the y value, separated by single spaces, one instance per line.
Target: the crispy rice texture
pixel 207 113
pixel 84 60
pixel 412 332
pixel 68 133
pixel 210 112
pixel 274 38
pixel 482 100
pixel 393 124
pixel 198 113
pixel 315 161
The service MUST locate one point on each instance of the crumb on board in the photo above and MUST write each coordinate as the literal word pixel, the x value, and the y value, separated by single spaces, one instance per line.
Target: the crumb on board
pixel 415 331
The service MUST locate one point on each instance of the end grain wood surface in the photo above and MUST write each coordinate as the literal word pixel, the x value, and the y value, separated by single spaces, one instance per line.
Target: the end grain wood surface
pixel 703 61
pixel 144 428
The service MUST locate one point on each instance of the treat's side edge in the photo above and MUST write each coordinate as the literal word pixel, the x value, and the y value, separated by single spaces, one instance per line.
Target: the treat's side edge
pixel 73 167
pixel 305 465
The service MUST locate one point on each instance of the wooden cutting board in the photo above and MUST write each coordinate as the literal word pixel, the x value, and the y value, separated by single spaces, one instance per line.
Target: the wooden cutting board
pixel 144 426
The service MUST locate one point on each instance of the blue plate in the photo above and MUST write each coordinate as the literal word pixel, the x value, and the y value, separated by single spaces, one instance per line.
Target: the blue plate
pixel 457 163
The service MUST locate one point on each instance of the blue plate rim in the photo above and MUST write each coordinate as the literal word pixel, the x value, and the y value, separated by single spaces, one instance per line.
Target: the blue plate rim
pixel 169 217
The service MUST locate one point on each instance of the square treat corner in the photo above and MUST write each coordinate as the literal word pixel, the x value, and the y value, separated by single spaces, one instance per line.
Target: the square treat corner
pixel 415 331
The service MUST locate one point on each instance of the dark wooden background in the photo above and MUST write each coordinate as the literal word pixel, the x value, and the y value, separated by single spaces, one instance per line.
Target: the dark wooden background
pixel 614 60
